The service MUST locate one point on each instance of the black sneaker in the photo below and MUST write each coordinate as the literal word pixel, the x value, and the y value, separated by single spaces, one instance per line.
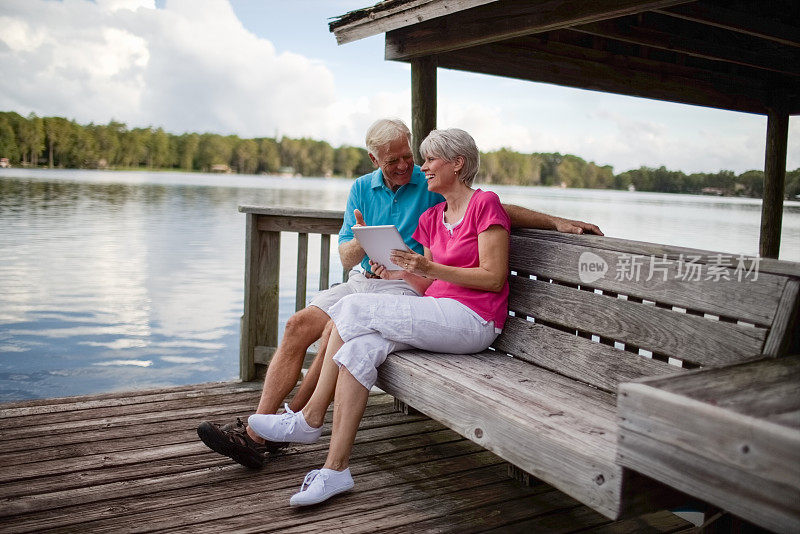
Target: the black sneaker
pixel 231 440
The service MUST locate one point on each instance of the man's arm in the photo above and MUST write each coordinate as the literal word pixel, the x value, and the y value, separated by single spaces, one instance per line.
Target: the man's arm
pixel 525 218
pixel 351 253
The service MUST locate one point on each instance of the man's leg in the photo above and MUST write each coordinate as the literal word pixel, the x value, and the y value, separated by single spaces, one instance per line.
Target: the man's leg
pixel 302 329
pixel 309 382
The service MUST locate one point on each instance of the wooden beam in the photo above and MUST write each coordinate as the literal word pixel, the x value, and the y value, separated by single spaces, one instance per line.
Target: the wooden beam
pixel 391 15
pixel 774 176
pixel 536 60
pixel 505 20
pixel 782 29
pixel 423 101
pixel 262 276
pixel 697 40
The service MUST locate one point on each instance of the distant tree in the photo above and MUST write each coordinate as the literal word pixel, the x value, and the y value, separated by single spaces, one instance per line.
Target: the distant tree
pixel 320 158
pixel 8 141
pixel 108 144
pixel 84 153
pixel 56 131
pixel 622 180
pixel 506 166
pixel 548 173
pixel 133 149
pixel 365 166
pixel 346 160
pixel 213 150
pixel 569 171
pixel 246 156
pixel 188 146
pixel 665 181
pixel 30 138
pixel 752 183
pixel 157 147
pixel 269 157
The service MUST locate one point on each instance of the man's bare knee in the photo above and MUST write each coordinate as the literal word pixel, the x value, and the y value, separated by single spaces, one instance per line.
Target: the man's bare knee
pixel 307 324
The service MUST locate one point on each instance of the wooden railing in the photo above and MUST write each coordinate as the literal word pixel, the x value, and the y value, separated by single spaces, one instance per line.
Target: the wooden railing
pixel 259 327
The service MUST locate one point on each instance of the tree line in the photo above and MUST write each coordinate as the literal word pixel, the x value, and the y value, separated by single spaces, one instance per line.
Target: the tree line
pixel 58 142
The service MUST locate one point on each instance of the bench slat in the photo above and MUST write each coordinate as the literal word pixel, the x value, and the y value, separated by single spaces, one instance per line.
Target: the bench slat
pixel 757 300
pixel 768 265
pixel 579 358
pixel 678 335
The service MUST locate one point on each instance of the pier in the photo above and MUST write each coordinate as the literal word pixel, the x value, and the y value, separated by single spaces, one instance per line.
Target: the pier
pixel 131 462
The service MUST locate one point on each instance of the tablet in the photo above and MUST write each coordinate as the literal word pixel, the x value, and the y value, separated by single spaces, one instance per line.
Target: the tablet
pixel 379 241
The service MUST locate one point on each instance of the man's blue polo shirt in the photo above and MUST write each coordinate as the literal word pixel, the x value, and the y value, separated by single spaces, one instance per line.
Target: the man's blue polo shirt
pixel 380 205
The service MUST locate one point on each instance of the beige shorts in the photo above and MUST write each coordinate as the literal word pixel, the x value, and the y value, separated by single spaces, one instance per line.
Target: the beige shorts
pixel 358 283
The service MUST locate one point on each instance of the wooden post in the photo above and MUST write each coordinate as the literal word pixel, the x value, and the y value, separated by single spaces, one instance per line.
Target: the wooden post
pixel 774 177
pixel 324 261
pixel 247 366
pixel 423 101
pixel 261 278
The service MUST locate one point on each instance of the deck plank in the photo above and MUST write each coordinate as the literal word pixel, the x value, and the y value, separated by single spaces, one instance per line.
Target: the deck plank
pixel 131 462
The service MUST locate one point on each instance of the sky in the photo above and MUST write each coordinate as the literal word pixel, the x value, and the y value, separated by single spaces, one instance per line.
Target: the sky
pixel 269 68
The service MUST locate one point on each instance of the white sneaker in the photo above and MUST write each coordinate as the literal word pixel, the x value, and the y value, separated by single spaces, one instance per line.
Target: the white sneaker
pixel 322 484
pixel 286 427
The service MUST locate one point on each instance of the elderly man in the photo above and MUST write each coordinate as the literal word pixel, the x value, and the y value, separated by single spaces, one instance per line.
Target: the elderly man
pixel 395 193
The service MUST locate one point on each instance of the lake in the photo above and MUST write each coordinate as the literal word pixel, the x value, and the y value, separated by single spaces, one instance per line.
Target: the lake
pixel 126 280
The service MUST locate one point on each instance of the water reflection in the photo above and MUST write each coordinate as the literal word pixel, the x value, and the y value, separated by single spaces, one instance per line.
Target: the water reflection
pixel 108 286
pixel 113 281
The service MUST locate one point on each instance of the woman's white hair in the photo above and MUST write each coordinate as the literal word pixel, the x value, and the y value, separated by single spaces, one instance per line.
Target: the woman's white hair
pixel 384 131
pixel 448 145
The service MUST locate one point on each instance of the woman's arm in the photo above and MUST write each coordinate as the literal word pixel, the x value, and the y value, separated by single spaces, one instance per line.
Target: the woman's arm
pixel 489 275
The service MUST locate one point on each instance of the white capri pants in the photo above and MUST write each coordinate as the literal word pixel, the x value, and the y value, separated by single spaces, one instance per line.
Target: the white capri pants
pixel 374 325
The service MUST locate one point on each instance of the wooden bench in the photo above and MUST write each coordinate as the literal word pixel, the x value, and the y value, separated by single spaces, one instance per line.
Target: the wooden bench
pixel 544 396
pixel 550 407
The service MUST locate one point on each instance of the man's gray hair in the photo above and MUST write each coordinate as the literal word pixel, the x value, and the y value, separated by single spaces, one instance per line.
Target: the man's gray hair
pixel 448 145
pixel 384 131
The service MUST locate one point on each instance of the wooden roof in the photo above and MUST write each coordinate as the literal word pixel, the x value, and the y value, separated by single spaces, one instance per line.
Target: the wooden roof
pixel 741 55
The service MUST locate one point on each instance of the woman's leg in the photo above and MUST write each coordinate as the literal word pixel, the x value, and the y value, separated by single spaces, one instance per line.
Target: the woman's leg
pixel 349 404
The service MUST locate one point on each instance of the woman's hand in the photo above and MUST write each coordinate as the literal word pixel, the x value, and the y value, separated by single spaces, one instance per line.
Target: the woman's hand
pixel 411 262
pixel 384 273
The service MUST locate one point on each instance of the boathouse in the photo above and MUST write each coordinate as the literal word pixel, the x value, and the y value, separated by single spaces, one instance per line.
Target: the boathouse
pixel 738 55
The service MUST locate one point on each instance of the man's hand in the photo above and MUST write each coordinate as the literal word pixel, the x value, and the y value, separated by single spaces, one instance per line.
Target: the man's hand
pixel 384 273
pixel 351 253
pixel 359 218
pixel 576 227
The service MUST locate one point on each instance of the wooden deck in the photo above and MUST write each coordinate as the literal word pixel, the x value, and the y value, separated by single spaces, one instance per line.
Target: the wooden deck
pixel 131 462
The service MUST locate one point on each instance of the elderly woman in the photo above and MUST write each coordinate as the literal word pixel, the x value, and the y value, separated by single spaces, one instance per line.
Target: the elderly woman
pixel 463 277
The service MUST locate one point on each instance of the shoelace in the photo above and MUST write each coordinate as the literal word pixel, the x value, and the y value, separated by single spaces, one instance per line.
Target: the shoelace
pixel 288 418
pixel 311 477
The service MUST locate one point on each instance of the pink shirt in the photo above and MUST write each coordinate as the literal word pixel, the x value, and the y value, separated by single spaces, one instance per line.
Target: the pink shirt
pixel 460 249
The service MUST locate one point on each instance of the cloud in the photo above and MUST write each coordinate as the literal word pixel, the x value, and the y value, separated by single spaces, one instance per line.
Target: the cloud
pixel 190 66
pixel 193 66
